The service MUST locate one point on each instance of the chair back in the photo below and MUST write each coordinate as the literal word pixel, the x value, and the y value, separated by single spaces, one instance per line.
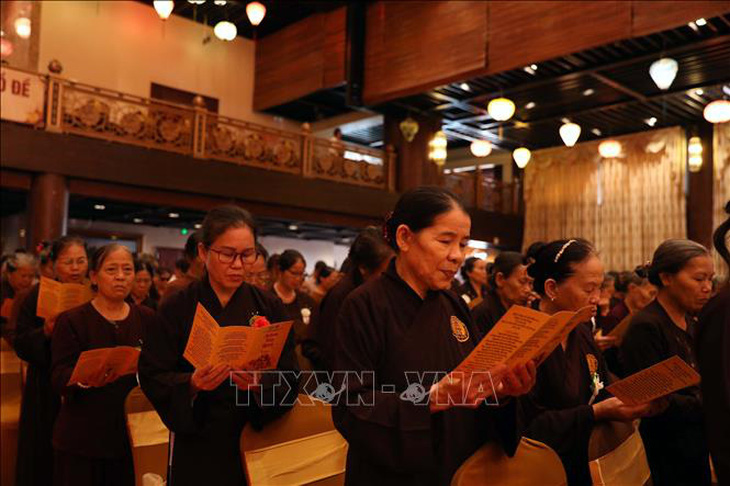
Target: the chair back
pixel 11 395
pixel 148 436
pixel 616 454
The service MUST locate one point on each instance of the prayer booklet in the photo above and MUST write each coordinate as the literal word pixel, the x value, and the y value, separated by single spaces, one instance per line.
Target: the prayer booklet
pixel 241 347
pixel 521 335
pixel 120 359
pixel 56 297
pixel 655 382
pixel 620 330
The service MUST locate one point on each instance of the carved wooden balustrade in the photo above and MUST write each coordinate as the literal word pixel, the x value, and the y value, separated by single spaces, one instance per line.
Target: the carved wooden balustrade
pixel 482 192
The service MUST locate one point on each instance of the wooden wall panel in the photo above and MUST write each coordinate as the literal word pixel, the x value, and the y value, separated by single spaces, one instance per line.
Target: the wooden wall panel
pixel 521 33
pixel 411 46
pixel 655 16
pixel 300 59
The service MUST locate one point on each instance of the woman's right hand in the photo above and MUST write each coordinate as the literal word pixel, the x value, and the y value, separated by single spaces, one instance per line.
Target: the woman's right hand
pixel 614 409
pixel 209 377
pixel 465 389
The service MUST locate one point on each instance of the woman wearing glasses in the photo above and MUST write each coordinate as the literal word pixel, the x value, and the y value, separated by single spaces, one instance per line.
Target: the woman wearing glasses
pixel 33 344
pixel 199 405
pixel 299 306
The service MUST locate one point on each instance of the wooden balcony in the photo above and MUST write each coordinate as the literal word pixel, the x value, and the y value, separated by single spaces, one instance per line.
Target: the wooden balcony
pixel 486 193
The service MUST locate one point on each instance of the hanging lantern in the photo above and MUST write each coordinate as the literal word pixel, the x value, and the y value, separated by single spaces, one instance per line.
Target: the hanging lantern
pixel 481 148
pixel 570 132
pixel 609 149
pixel 22 27
pixel 164 8
pixel 718 111
pixel 255 12
pixel 501 109
pixel 409 128
pixel 694 149
pixel 437 148
pixel 663 72
pixel 522 157
pixel 225 30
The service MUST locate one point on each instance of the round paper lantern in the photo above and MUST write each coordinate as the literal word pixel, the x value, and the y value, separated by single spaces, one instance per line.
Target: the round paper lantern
pixel 570 132
pixel 609 149
pixel 481 148
pixel 501 109
pixel 522 157
pixel 718 111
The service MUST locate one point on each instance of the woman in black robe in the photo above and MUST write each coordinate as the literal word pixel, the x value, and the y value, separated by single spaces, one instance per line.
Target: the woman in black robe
pixel 18 273
pixel 396 336
pixel 200 405
pixel 509 285
pixel 32 342
pixel 143 291
pixel 368 257
pixel 299 305
pixel 474 274
pixel 674 440
pixel 90 434
pixel 568 398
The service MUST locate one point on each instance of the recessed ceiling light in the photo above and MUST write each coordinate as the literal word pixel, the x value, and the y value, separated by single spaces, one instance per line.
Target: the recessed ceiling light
pixel 465 87
pixel 588 92
pixel 447 171
pixel 564 120
pixel 693 26
pixel 530 105
pixel 138 220
pixel 651 121
pixel 174 215
pixel 198 226
pixel 726 89
pixel 701 22
pixel 293 227
pixel 100 207
pixel 699 91
pixel 596 132
pixel 529 69
pixel 534 67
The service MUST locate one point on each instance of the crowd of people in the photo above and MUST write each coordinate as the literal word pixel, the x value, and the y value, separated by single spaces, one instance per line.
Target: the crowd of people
pixel 393 309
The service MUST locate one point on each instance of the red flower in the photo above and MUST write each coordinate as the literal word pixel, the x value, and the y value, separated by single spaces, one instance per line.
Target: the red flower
pixel 260 321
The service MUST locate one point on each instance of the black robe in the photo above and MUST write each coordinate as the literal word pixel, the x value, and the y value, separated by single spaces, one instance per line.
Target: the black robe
pixel 40 402
pixel 559 414
pixel 675 442
pixel 712 346
pixel 488 312
pixel 207 429
pixel 607 324
pixel 293 312
pixel 467 289
pixel 90 433
pixel 384 327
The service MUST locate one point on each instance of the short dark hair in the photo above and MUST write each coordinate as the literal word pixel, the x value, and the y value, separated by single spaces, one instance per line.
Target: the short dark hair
pixel 273 262
pixel 191 249
pixel 261 251
pixel 468 267
pixel 102 253
pixel 61 244
pixel 505 263
pixel 289 258
pixel 369 249
pixel 670 257
pixel 719 237
pixel 140 265
pixel 556 260
pixel 183 265
pixel 221 219
pixel 418 208
pixel 324 273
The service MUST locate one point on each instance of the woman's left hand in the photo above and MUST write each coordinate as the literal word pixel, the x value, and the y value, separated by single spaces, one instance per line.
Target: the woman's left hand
pixel 518 380
pixel 246 380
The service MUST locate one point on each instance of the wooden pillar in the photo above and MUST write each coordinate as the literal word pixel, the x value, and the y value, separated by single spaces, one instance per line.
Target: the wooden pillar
pixel 699 195
pixel 413 166
pixel 48 209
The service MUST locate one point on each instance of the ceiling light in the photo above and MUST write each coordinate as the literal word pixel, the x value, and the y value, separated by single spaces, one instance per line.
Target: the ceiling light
pixel 651 121
pixel 701 22
pixel 138 220
pixel 570 132
pixel 481 148
pixel 293 227
pixel 437 148
pixel 501 109
pixel 465 87
pixel 534 67
pixel 609 149
pixel 528 69
pixel 220 3
pixel 726 89
pixel 596 132
pixel 6 47
pixel 699 91
pixel 718 111
pixel 99 207
pixel 694 149
pixel 22 27
pixel 663 72
pixel 588 92
pixel 255 12
pixel 447 171
pixel 196 2
pixel 530 105
pixel 164 8
pixel 174 215
pixel 198 225
pixel 409 128
pixel 225 30
pixel 522 157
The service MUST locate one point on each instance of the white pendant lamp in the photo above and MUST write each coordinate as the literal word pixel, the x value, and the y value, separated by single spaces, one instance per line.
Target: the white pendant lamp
pixel 225 30
pixel 501 109
pixel 255 12
pixel 437 148
pixel 164 8
pixel 570 132
pixel 718 111
pixel 663 72
pixel 481 148
pixel 609 149
pixel 522 157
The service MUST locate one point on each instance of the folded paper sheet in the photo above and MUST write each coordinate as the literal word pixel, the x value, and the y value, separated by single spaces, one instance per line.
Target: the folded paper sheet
pixel 121 360
pixel 56 297
pixel 655 382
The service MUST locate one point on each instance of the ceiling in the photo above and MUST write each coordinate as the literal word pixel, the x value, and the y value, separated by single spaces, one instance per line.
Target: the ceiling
pixel 607 90
pixel 279 13
pixel 94 209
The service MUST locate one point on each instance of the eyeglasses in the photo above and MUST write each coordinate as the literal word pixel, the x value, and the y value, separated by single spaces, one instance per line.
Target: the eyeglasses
pixel 79 261
pixel 229 257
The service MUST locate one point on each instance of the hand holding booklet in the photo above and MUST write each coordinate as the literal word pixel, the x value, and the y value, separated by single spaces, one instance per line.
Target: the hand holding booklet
pixel 56 297
pixel 522 335
pixel 241 347
pixel 655 381
pixel 120 360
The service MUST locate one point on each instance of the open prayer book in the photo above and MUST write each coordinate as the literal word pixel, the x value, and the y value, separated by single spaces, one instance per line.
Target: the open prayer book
pixel 121 360
pixel 56 297
pixel 655 381
pixel 521 335
pixel 241 347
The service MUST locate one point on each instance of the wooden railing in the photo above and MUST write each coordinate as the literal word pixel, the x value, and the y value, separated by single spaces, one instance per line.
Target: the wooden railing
pixel 479 191
pixel 90 111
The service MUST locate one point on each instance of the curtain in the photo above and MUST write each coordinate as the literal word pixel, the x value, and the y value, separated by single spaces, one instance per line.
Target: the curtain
pixel 625 205
pixel 721 189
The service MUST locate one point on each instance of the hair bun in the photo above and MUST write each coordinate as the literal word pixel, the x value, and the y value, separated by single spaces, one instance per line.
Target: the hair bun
pixel 643 270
